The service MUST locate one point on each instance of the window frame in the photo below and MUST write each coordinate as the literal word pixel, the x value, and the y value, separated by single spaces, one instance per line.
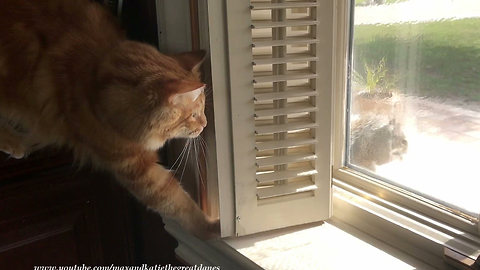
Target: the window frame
pixel 219 131
pixel 384 195
pixel 364 182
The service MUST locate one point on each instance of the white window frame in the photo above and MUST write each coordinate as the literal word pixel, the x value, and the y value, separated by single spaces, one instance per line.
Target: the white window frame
pixel 356 179
pixel 219 137
pixel 389 213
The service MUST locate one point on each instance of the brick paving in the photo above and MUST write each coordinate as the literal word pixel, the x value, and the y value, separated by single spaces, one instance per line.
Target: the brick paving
pixel 451 122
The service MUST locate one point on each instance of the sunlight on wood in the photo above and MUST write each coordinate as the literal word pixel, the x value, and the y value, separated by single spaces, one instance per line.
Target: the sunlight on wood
pixel 323 247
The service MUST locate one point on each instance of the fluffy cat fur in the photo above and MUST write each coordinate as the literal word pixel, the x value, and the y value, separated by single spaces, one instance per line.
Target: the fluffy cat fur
pixel 376 140
pixel 68 77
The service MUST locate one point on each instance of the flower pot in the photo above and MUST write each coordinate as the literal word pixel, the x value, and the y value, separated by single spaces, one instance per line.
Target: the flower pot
pixel 389 104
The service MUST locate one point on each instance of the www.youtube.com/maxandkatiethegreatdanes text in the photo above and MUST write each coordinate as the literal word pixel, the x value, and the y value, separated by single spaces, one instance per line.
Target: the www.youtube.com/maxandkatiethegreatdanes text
pixel 117 267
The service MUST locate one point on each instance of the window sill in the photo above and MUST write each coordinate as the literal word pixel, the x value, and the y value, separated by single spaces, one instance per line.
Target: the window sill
pixel 407 232
pixel 374 243
pixel 331 245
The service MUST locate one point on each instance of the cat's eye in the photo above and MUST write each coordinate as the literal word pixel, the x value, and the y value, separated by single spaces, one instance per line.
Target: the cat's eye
pixel 194 115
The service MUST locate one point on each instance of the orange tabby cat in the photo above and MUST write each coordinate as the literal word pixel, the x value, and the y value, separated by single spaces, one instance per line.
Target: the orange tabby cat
pixel 68 77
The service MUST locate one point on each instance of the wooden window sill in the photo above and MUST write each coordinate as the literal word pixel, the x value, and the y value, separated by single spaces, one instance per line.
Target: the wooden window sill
pixel 329 245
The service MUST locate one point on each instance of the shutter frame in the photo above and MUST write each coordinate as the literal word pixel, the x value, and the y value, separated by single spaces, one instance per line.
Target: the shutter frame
pixel 256 210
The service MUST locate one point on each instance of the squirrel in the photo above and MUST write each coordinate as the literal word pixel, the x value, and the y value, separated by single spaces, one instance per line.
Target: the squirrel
pixel 376 141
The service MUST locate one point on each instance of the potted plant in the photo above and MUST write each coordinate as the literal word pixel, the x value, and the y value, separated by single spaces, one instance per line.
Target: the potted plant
pixel 373 90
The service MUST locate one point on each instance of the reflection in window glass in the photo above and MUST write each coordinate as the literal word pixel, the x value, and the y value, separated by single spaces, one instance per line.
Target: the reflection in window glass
pixel 415 97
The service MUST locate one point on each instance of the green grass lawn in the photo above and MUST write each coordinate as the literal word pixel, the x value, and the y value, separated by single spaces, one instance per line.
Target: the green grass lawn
pixel 440 59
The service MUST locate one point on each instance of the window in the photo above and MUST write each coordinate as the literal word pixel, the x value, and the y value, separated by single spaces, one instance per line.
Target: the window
pixel 414 100
pixel 409 116
pixel 412 104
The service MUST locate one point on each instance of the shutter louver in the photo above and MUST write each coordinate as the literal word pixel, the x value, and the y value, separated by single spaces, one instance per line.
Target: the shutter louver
pixel 290 121
pixel 283 96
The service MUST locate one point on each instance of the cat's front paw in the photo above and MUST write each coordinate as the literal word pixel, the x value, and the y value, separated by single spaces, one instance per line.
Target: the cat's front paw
pixel 209 231
pixel 214 229
pixel 15 152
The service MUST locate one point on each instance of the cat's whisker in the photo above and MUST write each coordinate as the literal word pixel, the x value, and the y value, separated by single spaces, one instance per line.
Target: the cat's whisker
pixel 202 147
pixel 208 94
pixel 196 155
pixel 184 154
pixel 180 155
pixel 208 109
pixel 196 152
pixel 173 171
pixel 208 91
pixel 198 162
pixel 186 161
pixel 204 143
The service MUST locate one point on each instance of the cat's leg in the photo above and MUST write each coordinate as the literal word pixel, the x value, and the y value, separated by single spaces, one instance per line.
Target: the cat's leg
pixel 157 188
pixel 11 143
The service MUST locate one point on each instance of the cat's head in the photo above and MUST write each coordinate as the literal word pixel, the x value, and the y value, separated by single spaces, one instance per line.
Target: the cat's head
pixel 149 97
pixel 399 140
pixel 391 141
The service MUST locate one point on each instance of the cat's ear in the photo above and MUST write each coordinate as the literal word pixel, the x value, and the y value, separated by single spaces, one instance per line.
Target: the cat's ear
pixel 191 61
pixel 185 90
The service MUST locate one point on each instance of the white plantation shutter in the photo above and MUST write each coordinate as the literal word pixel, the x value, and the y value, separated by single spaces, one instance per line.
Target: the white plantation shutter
pixel 281 74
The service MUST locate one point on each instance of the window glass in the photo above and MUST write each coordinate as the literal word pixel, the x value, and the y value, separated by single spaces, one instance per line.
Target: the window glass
pixel 414 106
